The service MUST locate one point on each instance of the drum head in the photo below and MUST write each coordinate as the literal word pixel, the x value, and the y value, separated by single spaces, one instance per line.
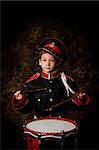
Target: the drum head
pixel 50 126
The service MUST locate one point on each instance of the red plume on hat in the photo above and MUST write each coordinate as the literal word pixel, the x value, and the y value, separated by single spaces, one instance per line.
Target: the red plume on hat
pixel 54 47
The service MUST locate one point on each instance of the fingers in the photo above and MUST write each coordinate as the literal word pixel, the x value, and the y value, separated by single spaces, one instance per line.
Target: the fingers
pixel 80 95
pixel 18 94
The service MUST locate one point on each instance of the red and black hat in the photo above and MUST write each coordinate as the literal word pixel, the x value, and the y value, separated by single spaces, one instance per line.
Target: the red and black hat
pixel 54 47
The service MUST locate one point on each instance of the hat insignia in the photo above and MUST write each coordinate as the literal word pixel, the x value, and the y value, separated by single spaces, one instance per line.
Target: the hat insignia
pixel 52 44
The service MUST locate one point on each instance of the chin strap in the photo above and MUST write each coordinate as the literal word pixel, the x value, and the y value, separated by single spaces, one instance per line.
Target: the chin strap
pixel 64 80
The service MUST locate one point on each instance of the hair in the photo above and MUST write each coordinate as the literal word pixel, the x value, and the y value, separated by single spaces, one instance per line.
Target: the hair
pixel 41 53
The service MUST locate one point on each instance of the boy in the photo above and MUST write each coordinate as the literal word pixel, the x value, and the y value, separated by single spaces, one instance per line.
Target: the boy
pixel 51 86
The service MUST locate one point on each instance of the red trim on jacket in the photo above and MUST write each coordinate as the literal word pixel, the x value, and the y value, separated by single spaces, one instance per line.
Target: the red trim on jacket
pixel 35 76
pixel 50 75
pixel 19 104
pixel 79 102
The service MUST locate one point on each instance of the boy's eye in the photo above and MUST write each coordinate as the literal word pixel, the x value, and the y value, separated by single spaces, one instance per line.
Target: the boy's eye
pixel 52 60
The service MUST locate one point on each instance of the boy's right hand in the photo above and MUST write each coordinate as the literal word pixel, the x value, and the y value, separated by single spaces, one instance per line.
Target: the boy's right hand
pixel 18 95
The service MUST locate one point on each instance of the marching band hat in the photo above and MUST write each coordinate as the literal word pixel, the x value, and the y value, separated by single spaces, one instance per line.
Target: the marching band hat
pixel 53 46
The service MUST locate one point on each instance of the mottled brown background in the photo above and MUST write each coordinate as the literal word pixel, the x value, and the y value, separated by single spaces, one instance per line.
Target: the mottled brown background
pixel 24 24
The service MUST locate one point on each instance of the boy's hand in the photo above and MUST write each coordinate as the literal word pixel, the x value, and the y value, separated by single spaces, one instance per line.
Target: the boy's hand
pixel 18 95
pixel 80 95
pixel 81 99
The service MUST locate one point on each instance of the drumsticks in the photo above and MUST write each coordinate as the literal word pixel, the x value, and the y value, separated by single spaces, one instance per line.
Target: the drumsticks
pixel 33 90
pixel 25 91
pixel 61 103
pixel 64 101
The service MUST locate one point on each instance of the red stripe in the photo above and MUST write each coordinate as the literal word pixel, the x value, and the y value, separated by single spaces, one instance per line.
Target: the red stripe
pixel 32 77
pixel 19 103
pixel 79 102
pixel 45 75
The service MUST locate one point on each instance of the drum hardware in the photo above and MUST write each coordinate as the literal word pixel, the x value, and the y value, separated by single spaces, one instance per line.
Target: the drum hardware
pixel 50 128
pixel 62 140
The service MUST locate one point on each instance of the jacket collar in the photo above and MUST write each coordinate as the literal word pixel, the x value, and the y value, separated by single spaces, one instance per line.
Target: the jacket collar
pixel 51 75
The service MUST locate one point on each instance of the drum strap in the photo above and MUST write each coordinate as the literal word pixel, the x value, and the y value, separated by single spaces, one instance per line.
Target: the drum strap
pixel 64 80
pixel 35 117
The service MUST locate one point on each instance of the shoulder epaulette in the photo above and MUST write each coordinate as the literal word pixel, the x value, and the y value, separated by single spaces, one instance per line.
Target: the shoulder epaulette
pixel 69 77
pixel 35 76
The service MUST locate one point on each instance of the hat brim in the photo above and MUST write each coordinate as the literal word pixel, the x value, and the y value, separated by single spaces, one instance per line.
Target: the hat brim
pixel 50 52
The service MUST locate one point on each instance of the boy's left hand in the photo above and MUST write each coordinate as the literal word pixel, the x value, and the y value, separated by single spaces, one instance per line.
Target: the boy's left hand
pixel 81 99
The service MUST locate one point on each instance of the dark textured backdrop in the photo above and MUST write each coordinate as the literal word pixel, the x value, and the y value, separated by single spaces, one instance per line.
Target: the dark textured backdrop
pixel 24 24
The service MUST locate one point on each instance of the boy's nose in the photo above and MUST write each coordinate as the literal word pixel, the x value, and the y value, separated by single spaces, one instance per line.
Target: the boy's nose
pixel 48 63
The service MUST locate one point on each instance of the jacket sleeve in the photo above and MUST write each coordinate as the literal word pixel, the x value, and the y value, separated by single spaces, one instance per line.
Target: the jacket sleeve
pixel 85 100
pixel 25 105
pixel 19 104
pixel 81 109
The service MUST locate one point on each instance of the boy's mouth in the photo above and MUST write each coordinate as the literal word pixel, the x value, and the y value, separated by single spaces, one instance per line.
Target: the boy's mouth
pixel 47 67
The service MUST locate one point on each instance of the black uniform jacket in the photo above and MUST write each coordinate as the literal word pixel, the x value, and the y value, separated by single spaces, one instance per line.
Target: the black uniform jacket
pixel 45 91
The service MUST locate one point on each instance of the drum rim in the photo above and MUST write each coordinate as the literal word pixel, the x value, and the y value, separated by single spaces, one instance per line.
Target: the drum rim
pixel 52 133
pixel 57 118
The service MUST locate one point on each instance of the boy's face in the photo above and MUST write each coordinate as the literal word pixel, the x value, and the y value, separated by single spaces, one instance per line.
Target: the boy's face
pixel 47 62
